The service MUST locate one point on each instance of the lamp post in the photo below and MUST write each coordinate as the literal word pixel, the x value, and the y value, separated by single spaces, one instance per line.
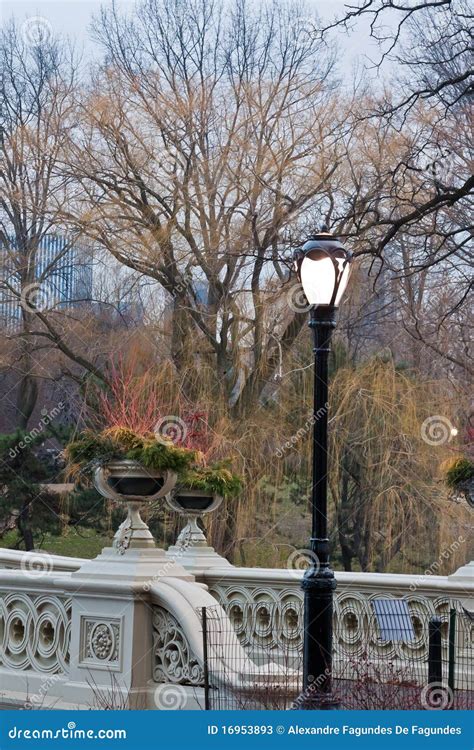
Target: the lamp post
pixel 323 267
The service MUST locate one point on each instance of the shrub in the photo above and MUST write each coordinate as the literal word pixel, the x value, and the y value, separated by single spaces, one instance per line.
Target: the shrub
pixel 216 479
pixel 459 471
pixel 94 449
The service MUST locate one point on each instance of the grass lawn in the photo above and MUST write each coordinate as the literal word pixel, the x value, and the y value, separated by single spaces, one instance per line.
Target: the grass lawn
pixel 78 542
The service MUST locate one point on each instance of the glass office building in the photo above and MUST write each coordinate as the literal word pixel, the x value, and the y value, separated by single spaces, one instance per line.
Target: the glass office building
pixel 61 277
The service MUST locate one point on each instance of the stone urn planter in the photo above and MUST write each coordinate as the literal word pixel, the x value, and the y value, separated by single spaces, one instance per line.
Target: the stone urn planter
pixel 125 480
pixel 193 504
pixel 128 481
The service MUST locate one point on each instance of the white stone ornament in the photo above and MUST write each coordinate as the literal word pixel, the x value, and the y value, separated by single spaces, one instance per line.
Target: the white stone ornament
pixel 36 632
pixel 174 660
pixel 86 622
pixel 101 641
pixel 191 548
pixel 133 532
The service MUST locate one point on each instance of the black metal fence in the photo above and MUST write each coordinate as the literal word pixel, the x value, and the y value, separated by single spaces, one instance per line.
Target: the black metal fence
pixel 251 675
pixel 427 666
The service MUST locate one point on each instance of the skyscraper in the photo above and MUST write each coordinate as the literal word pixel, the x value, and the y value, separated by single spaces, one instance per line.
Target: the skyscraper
pixel 62 277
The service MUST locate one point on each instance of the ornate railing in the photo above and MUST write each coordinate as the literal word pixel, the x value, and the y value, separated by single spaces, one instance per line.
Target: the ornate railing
pixel 53 623
pixel 274 598
pixel 174 660
pixel 36 632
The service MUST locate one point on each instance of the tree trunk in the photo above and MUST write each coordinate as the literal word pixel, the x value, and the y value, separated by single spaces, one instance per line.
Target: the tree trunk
pixel 27 396
pixel 344 506
pixel 27 392
pixel 24 527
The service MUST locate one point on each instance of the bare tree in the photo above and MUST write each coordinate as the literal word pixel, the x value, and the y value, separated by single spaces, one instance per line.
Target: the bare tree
pixel 431 37
pixel 37 89
pixel 204 139
pixel 432 41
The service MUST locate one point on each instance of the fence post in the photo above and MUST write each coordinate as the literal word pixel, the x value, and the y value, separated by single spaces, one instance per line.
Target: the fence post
pixel 435 664
pixel 204 654
pixel 452 649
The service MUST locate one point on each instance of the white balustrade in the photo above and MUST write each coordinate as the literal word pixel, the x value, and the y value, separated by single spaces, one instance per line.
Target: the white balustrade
pixel 275 599
pixel 67 623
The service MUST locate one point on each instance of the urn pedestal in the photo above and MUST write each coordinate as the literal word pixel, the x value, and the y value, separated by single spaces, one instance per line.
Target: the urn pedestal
pixel 191 549
pixel 134 554
pixel 111 623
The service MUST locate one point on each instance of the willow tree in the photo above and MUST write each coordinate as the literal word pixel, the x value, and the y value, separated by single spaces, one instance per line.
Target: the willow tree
pixel 389 435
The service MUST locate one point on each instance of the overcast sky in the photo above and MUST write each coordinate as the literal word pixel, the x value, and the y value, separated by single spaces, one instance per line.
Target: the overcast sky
pixel 72 17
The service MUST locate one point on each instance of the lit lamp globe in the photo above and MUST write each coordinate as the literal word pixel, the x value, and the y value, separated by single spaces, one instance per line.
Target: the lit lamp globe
pixel 323 266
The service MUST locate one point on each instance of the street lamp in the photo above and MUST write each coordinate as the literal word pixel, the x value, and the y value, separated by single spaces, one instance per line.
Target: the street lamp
pixel 323 267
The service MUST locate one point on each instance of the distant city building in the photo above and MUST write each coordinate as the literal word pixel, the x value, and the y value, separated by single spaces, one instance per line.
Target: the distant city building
pixel 201 290
pixel 129 300
pixel 121 294
pixel 63 277
pixel 70 275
